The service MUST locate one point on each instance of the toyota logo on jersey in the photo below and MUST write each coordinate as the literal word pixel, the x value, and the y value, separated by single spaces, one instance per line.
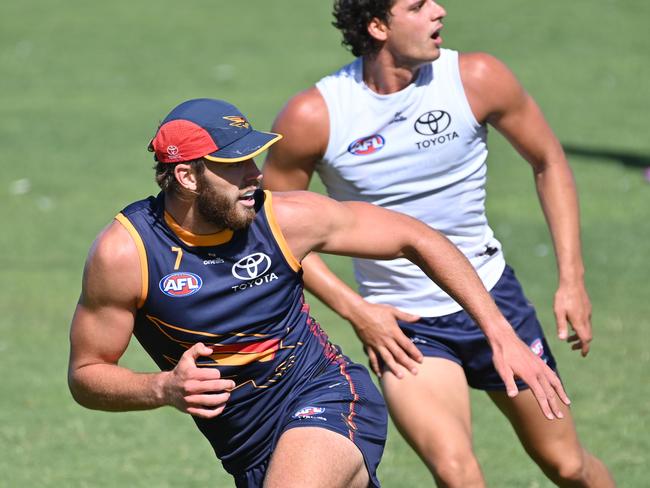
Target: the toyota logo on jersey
pixel 367 145
pixel 432 123
pixel 251 266
pixel 180 284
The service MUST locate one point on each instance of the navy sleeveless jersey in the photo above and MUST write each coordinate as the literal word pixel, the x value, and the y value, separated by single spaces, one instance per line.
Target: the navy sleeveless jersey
pixel 240 292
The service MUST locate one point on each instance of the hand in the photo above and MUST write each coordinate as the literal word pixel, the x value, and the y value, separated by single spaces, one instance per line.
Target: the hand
pixel 198 391
pixel 573 308
pixel 512 358
pixel 376 326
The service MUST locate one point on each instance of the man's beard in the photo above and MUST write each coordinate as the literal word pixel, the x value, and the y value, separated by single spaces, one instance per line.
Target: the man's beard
pixel 220 210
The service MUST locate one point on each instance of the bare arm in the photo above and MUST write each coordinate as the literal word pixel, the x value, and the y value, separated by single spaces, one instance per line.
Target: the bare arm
pixel 363 230
pixel 304 123
pixel 498 98
pixel 100 332
pixel 289 165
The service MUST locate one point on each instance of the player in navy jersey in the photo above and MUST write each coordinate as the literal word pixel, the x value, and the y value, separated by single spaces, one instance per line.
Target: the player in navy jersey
pixel 207 276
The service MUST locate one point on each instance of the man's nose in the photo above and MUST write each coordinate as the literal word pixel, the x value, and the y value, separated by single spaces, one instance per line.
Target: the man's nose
pixel 252 172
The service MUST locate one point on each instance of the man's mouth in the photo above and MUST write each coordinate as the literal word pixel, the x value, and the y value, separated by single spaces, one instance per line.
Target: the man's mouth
pixel 247 196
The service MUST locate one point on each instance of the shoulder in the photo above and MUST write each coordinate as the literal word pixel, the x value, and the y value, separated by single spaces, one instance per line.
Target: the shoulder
pixel 114 245
pixel 305 211
pixel 476 67
pixel 291 207
pixel 491 87
pixel 303 218
pixel 307 107
pixel 112 270
pixel 304 123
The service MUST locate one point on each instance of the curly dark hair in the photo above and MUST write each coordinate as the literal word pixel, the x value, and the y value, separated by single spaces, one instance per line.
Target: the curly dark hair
pixel 165 174
pixel 352 19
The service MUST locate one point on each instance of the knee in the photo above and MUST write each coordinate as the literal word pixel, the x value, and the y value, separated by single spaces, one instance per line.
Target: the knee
pixel 569 470
pixel 458 470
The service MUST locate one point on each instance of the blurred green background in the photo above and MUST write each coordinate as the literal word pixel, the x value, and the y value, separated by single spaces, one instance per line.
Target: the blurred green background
pixel 82 88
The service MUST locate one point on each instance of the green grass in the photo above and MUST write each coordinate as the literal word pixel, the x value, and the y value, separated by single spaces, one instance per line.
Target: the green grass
pixel 83 86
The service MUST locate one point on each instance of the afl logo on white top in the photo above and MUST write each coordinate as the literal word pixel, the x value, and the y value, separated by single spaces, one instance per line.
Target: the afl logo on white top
pixel 432 123
pixel 367 145
pixel 251 266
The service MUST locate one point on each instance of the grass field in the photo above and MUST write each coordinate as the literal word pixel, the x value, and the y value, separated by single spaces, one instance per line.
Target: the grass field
pixel 83 85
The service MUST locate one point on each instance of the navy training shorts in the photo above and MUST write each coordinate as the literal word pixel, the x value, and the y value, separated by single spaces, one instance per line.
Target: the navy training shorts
pixel 457 337
pixel 342 399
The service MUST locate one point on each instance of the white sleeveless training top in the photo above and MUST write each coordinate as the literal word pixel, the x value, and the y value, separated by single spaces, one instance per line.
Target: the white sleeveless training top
pixel 421 152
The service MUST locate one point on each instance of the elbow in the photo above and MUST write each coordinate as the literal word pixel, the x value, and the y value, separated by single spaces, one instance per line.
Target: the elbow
pixel 79 391
pixel 75 389
pixel 415 255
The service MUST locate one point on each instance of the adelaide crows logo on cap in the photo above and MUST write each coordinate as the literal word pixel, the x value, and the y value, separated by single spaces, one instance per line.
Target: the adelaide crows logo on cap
pixel 237 121
pixel 180 284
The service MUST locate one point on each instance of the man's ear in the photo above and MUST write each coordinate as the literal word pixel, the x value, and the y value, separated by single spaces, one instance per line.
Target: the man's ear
pixel 186 177
pixel 378 29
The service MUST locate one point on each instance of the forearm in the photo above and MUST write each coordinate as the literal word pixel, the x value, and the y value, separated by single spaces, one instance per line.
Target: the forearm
pixel 558 196
pixel 452 271
pixel 328 287
pixel 114 388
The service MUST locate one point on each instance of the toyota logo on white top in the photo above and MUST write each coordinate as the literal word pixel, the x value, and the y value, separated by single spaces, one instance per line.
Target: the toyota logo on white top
pixel 251 266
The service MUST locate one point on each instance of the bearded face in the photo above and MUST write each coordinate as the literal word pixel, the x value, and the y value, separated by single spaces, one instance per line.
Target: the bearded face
pixel 221 208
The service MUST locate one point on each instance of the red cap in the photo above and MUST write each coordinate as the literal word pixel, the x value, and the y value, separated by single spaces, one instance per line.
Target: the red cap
pixel 182 140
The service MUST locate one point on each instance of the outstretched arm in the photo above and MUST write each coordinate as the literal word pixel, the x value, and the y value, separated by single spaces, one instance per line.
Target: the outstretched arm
pixel 100 332
pixel 375 324
pixel 366 231
pixel 289 165
pixel 498 98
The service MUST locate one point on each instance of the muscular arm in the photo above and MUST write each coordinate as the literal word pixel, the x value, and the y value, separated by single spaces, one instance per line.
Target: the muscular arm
pixel 100 332
pixel 304 123
pixel 498 98
pixel 289 165
pixel 366 231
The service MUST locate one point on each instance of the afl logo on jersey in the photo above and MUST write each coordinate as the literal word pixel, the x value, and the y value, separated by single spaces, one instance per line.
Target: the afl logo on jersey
pixel 251 266
pixel 367 145
pixel 180 284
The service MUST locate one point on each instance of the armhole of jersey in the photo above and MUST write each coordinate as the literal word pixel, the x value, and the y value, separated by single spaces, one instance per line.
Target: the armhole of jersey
pixel 454 70
pixel 277 233
pixel 323 89
pixel 142 252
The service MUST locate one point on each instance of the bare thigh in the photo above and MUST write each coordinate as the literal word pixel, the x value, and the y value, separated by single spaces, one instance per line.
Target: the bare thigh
pixel 432 411
pixel 311 457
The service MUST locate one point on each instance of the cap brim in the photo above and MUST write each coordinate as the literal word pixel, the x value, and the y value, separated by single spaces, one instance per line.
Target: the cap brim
pixel 249 146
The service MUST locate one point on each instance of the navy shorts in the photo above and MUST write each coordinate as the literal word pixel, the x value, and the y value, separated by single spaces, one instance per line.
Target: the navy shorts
pixel 457 337
pixel 342 399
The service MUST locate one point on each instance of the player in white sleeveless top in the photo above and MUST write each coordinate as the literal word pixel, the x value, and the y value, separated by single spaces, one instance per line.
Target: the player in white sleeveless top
pixel 376 142
pixel 404 126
